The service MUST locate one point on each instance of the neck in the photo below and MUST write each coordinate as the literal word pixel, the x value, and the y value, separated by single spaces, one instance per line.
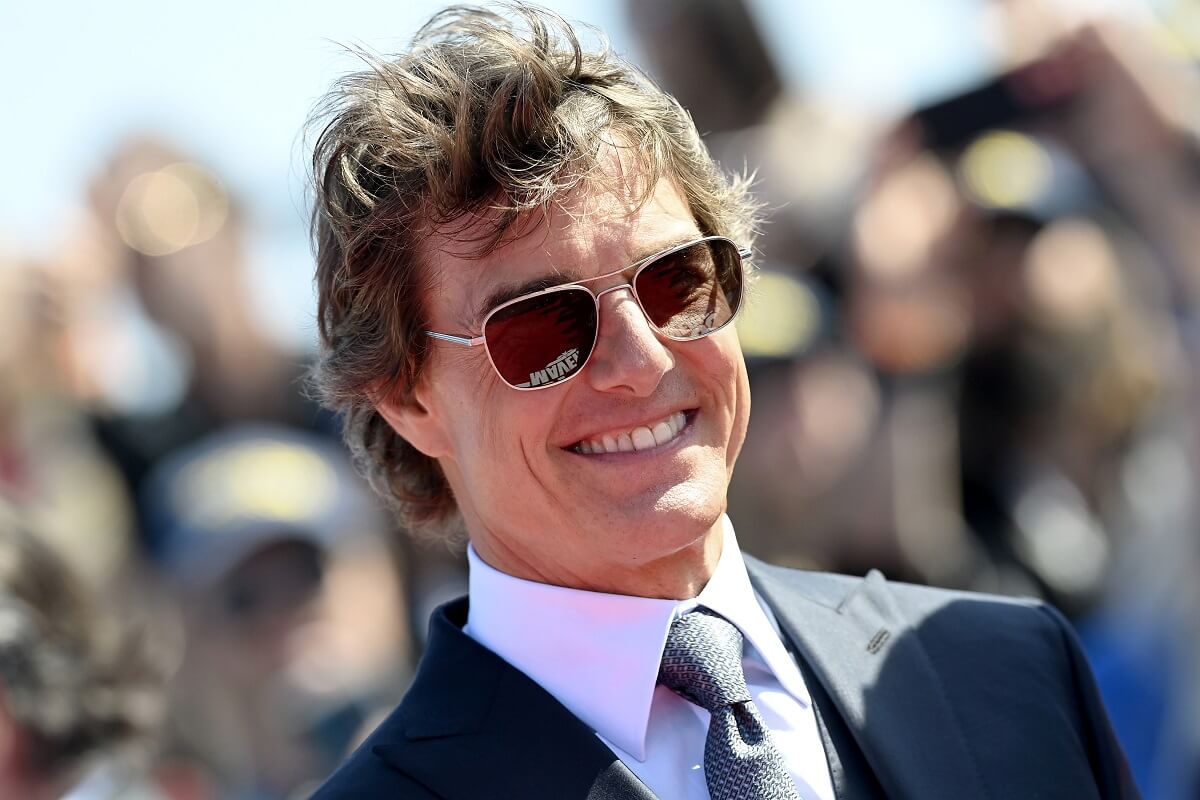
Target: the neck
pixel 680 575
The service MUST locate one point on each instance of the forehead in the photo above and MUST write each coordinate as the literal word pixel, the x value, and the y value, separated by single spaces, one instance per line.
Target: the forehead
pixel 591 232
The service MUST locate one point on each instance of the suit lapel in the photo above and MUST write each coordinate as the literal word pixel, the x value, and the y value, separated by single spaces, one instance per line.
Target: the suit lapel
pixel 473 726
pixel 850 631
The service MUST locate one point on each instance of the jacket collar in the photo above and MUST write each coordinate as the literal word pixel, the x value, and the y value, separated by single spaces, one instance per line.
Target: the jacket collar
pixel 598 654
pixel 472 726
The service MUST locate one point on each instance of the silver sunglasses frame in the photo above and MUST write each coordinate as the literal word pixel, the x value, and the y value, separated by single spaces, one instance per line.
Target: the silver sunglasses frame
pixel 744 253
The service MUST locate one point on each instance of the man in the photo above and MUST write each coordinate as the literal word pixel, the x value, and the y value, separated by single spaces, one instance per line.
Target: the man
pixel 527 267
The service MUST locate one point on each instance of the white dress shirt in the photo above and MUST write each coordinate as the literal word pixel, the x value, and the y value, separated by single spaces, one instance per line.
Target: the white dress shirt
pixel 598 655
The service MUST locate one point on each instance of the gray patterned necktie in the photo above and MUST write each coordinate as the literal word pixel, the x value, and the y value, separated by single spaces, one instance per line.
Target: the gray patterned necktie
pixel 703 663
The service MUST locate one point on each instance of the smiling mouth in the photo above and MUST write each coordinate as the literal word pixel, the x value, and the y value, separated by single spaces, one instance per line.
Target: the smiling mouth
pixel 643 437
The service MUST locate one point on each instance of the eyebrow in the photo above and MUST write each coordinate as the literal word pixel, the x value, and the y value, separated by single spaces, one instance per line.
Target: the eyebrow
pixel 505 292
pixel 512 291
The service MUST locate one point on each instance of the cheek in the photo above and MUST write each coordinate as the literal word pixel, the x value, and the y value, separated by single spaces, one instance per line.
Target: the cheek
pixel 500 433
pixel 726 366
pixel 719 360
pixel 469 398
pixel 741 420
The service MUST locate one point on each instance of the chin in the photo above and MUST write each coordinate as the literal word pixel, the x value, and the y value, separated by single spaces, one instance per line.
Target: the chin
pixel 679 518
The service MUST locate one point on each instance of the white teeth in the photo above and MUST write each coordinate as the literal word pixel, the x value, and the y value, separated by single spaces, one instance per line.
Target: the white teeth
pixel 643 439
pixel 663 433
pixel 640 438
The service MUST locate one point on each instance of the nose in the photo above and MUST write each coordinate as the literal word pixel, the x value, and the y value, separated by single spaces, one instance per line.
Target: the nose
pixel 629 357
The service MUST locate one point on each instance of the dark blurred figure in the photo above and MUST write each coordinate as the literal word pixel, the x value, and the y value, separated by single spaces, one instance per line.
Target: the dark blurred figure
pixel 722 94
pixel 1053 401
pixel 811 446
pixel 74 687
pixel 292 613
pixel 1074 400
pixel 164 338
pixel 164 342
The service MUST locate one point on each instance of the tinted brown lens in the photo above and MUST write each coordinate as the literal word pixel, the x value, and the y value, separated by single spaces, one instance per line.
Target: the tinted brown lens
pixel 542 340
pixel 693 291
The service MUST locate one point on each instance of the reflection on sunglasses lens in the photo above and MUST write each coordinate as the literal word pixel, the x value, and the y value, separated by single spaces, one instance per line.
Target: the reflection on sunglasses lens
pixel 694 291
pixel 542 340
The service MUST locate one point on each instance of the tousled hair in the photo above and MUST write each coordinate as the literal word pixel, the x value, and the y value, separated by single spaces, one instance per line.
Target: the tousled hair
pixel 490 115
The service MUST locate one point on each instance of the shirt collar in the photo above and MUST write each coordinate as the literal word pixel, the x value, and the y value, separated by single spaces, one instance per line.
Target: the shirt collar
pixel 597 653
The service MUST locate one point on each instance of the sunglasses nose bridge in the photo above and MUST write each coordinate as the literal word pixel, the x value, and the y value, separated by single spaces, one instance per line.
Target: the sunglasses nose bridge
pixel 637 301
pixel 628 354
pixel 612 289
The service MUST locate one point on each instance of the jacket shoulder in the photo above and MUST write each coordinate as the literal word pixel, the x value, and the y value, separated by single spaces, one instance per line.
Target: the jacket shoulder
pixel 948 622
pixel 915 602
pixel 366 776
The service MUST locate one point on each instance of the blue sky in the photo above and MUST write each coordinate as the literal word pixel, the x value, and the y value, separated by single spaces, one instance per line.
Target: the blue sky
pixel 232 82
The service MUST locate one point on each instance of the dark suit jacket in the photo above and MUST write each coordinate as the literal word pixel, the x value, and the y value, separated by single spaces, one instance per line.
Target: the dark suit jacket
pixel 948 695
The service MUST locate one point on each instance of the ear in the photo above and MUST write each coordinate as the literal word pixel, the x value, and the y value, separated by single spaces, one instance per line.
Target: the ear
pixel 417 420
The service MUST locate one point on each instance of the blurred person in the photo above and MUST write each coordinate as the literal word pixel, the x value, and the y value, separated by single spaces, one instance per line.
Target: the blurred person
pixel 1131 125
pixel 50 463
pixel 1029 343
pixel 162 339
pixel 76 688
pixel 906 312
pixel 293 620
pixel 180 237
pixel 812 487
pixel 527 267
pixel 1077 395
pixel 1055 396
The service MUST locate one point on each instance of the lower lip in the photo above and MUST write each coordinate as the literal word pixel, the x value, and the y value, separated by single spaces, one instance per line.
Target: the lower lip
pixel 688 417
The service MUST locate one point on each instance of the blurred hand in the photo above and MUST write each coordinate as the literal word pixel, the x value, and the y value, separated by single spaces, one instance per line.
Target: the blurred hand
pixel 1129 101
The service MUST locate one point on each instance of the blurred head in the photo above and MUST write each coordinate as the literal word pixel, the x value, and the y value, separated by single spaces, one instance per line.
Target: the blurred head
pixel 499 151
pixel 241 523
pixel 263 535
pixel 72 686
pixel 211 505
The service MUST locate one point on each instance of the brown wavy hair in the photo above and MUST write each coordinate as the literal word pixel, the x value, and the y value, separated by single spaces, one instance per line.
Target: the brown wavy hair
pixel 495 113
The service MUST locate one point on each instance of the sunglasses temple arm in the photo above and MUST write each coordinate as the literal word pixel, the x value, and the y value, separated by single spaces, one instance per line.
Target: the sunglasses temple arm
pixel 463 340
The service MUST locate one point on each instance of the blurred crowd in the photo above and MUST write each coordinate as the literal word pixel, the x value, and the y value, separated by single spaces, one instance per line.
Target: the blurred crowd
pixel 974 358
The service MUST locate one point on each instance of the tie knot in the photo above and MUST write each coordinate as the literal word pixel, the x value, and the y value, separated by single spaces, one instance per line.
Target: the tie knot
pixel 703 660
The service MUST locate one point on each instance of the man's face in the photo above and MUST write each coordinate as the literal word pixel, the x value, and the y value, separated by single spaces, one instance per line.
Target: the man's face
pixel 535 505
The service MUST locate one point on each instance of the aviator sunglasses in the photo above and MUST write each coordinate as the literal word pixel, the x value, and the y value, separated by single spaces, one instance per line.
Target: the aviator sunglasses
pixel 543 338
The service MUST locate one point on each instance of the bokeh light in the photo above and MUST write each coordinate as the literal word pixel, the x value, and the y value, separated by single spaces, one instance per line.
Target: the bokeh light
pixel 1006 170
pixel 164 211
pixel 781 316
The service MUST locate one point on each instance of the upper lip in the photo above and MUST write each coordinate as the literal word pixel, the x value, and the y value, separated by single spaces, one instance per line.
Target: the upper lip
pixel 642 420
